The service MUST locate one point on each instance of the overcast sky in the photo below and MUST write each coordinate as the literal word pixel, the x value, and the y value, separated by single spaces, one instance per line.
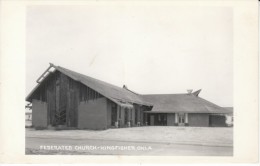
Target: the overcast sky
pixel 151 49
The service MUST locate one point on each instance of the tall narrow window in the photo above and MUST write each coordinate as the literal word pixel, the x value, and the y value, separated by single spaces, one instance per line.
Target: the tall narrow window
pixel 119 112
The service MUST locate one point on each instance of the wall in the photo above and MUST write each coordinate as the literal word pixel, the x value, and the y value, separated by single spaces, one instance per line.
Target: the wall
pixel 122 118
pixel 92 114
pixel 199 120
pixel 140 114
pixel 39 114
pixel 171 119
pixel 109 112
pixel 217 121
pixel 63 95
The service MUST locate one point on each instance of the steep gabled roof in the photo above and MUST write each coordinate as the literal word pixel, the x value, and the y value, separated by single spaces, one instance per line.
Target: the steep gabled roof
pixel 187 103
pixel 110 91
pixel 162 103
pixel 104 88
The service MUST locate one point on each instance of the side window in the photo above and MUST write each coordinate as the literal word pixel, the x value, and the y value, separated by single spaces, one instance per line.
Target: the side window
pixel 120 113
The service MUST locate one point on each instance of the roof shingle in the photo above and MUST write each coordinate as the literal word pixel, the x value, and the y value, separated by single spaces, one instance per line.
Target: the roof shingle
pixel 162 103
pixel 188 103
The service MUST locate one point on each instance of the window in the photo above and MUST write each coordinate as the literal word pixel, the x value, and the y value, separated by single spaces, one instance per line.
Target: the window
pixel 119 112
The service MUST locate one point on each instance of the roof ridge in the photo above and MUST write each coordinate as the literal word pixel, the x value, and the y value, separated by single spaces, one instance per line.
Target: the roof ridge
pixel 165 94
pixel 90 77
pixel 125 87
pixel 124 93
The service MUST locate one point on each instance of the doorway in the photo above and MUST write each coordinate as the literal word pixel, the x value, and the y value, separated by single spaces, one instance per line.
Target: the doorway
pixel 113 114
pixel 158 119
pixel 181 119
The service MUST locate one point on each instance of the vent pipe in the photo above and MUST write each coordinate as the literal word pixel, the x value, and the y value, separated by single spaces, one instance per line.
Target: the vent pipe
pixel 189 91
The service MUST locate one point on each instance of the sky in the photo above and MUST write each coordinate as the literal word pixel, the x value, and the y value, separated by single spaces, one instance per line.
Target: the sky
pixel 153 49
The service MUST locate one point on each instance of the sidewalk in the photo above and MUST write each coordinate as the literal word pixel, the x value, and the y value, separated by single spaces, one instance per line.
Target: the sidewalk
pixel 150 134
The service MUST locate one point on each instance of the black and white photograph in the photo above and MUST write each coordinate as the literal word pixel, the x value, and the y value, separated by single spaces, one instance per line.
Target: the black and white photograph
pixel 129 80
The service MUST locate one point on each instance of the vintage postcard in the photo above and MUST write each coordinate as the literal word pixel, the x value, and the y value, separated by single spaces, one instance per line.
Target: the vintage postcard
pixel 171 81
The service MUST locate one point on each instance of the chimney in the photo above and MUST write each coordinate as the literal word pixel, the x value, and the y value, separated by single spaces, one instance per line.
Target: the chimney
pixel 196 93
pixel 189 91
pixel 124 86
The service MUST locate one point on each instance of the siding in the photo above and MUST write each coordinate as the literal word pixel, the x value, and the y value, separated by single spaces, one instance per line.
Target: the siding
pixel 93 114
pixel 199 120
pixel 63 96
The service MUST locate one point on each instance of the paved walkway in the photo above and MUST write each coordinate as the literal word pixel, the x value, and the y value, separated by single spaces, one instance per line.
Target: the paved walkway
pixel 206 136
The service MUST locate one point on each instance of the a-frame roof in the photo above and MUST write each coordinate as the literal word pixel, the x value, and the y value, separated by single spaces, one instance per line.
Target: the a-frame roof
pixel 112 92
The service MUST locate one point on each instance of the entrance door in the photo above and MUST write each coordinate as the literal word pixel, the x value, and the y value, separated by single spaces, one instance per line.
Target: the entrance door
pixel 151 120
pixel 161 120
pixel 181 119
pixel 113 115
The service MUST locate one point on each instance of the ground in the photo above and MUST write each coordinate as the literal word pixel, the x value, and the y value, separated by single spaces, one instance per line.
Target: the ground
pixel 150 140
